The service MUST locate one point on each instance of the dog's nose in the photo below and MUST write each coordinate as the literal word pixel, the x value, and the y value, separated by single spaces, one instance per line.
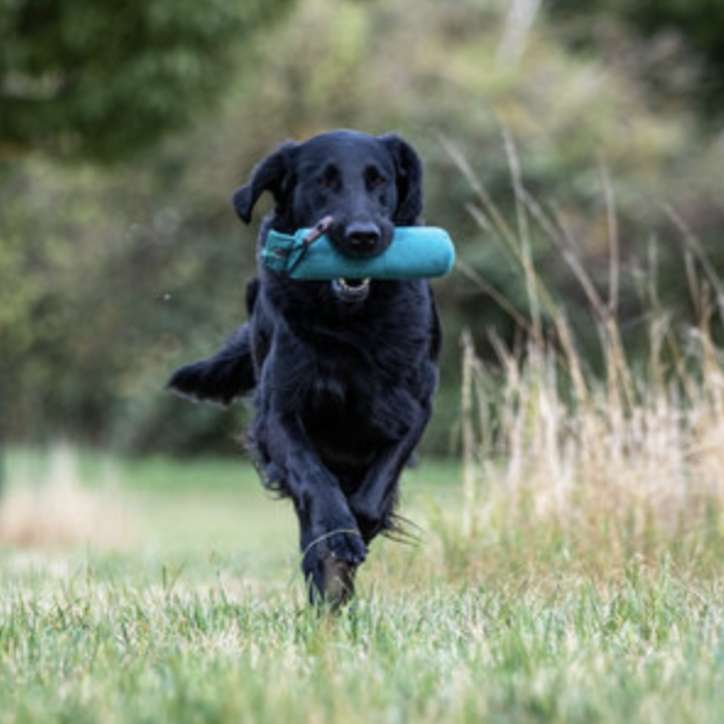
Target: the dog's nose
pixel 362 237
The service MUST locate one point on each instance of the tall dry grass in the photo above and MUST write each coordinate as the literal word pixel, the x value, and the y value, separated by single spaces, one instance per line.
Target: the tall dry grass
pixel 56 507
pixel 592 471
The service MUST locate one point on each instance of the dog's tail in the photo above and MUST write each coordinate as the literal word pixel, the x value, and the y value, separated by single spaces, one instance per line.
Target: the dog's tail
pixel 226 375
pixel 221 378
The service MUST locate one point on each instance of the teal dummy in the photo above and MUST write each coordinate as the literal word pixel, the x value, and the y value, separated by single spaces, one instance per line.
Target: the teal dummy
pixel 415 252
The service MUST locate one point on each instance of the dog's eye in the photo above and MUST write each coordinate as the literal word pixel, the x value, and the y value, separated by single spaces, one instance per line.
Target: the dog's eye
pixel 330 178
pixel 373 178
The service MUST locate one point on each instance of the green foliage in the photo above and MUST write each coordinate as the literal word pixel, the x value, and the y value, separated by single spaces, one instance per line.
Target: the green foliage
pixel 97 294
pixel 90 79
pixel 109 278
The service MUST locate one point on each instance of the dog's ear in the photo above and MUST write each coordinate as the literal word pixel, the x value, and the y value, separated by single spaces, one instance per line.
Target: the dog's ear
pixel 272 174
pixel 409 179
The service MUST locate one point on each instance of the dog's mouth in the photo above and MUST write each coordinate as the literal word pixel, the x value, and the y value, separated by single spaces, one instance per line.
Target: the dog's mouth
pixel 351 290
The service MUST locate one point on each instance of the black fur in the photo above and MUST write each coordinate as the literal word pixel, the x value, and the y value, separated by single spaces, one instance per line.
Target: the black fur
pixel 222 377
pixel 343 386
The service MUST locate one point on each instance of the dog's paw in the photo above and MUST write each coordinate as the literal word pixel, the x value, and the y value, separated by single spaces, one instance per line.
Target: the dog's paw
pixel 338 587
pixel 330 563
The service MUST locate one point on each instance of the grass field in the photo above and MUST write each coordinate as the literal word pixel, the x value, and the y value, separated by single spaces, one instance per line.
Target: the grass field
pixel 174 597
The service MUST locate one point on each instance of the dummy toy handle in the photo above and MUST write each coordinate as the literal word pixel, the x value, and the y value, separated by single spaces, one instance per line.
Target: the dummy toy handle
pixel 318 230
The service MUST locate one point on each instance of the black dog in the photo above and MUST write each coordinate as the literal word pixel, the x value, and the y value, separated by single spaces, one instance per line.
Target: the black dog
pixel 343 372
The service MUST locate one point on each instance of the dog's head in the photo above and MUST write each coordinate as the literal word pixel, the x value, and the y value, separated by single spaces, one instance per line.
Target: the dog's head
pixel 367 184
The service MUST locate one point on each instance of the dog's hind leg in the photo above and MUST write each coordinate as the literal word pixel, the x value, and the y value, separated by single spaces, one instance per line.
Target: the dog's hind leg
pixel 221 378
pixel 229 373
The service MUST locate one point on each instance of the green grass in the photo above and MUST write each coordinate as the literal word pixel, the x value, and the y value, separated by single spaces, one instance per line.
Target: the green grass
pixel 199 616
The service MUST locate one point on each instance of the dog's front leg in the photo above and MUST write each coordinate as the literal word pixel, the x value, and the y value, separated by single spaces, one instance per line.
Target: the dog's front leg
pixel 331 543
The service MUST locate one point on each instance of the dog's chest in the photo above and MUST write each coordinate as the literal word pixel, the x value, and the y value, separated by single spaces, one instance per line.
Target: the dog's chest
pixel 354 384
pixel 343 383
pixel 340 412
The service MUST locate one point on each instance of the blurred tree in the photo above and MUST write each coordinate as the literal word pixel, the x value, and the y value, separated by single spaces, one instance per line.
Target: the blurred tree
pixel 673 30
pixel 103 80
